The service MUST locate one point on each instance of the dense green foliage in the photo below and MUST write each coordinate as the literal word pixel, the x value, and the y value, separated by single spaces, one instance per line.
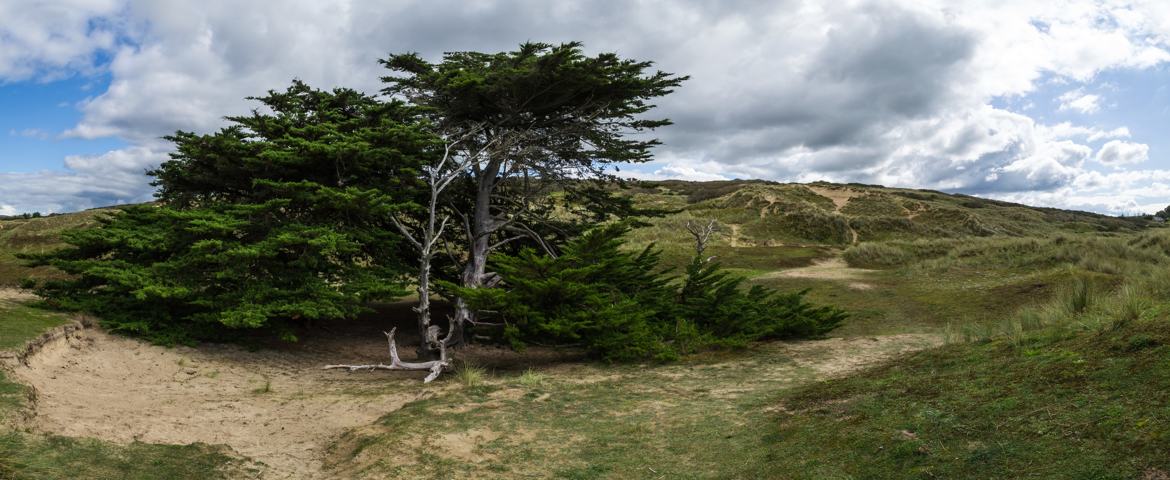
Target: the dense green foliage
pixel 278 220
pixel 555 108
pixel 621 305
pixel 535 131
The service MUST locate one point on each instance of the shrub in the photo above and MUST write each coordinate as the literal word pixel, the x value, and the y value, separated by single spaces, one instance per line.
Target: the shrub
pixel 620 306
pixel 174 276
pixel 876 255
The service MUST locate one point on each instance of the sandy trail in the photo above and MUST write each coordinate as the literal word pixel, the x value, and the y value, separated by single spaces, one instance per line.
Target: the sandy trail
pixel 277 408
pixel 840 198
pixel 833 268
pixel 16 295
pixel 837 356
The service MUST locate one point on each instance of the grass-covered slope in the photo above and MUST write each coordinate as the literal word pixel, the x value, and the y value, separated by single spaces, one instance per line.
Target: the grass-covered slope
pixel 1074 385
pixel 757 213
pixel 765 225
pixel 35 235
pixel 1087 405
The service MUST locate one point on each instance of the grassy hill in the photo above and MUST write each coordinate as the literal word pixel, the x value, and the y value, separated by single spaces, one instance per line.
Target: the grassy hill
pixel 36 235
pixel 1055 360
pixel 1073 386
pixel 767 213
pixel 756 217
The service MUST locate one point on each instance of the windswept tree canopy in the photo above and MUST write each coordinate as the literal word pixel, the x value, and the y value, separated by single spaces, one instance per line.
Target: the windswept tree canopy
pixel 550 119
pixel 567 112
pixel 545 118
pixel 279 219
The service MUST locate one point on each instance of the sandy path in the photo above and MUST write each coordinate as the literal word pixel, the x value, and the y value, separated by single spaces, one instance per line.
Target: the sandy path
pixel 277 408
pixel 840 198
pixel 833 268
pixel 838 356
pixel 733 239
pixel 15 295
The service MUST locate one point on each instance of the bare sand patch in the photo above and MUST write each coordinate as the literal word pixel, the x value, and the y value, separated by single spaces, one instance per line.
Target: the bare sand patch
pixel 839 196
pixel 16 295
pixel 833 268
pixel 823 358
pixel 838 356
pixel 277 408
pixel 465 445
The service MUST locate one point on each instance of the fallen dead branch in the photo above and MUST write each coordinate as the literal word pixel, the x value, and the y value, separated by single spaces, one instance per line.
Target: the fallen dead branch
pixel 436 367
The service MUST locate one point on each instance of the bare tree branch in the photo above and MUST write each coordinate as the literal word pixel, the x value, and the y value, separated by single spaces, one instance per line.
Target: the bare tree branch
pixel 702 233
pixel 436 367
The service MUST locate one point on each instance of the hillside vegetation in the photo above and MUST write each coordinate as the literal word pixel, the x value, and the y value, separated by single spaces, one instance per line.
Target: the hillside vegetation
pixel 36 235
pixel 755 217
pixel 1041 336
pixel 1074 385
pixel 759 213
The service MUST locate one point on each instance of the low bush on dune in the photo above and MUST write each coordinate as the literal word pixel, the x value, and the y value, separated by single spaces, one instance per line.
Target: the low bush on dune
pixel 620 305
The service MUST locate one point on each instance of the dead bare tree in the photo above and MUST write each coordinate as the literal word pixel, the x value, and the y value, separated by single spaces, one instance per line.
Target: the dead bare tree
pixel 702 233
pixel 424 238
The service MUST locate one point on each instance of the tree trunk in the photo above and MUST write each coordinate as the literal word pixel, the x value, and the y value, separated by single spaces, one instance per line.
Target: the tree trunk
pixel 482 225
pixel 428 346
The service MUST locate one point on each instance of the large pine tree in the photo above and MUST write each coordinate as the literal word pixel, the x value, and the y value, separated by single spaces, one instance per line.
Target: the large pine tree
pixel 546 118
pixel 280 219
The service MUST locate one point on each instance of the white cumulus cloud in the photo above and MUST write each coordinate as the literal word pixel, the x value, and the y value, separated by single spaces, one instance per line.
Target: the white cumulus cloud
pixel 1117 153
pixel 1078 100
pixel 900 92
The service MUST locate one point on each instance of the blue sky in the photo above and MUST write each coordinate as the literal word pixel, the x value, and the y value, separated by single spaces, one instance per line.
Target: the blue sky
pixel 34 116
pixel 1060 104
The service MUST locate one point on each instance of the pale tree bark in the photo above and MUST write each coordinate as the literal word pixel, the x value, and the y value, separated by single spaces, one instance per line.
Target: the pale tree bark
pixel 488 171
pixel 702 232
pixel 479 228
pixel 436 367
pixel 424 237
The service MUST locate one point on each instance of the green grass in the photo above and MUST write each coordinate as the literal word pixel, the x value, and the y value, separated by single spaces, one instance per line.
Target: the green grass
pixel 36 235
pixel 470 375
pixel 769 213
pixel 985 282
pixel 907 302
pixel 25 456
pixel 20 323
pixel 1073 386
pixel 706 417
pixel 1088 404
pixel 1057 365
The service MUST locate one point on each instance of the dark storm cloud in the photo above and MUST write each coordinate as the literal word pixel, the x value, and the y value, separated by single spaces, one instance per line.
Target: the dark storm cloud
pixel 875 91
